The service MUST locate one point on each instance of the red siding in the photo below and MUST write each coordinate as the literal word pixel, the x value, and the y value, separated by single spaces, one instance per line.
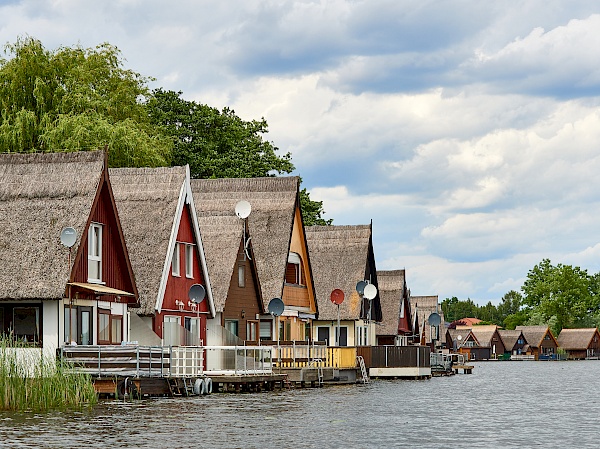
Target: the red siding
pixel 114 265
pixel 178 286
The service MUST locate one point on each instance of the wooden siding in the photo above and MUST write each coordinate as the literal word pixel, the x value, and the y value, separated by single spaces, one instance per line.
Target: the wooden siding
pixel 295 296
pixel 245 298
pixel 178 287
pixel 114 265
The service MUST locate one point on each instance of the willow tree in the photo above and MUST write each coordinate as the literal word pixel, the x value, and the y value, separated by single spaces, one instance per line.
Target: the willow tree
pixel 73 99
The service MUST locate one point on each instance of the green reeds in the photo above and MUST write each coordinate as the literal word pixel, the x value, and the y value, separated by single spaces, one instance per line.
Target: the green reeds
pixel 30 380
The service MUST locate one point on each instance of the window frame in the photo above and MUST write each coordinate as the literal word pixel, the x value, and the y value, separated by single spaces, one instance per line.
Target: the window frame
pixel 104 313
pixel 241 276
pixel 294 260
pixel 189 260
pixel 113 338
pixel 95 243
pixel 176 261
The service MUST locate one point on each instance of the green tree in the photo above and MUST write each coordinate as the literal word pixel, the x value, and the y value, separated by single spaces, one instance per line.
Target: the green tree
pixel 561 292
pixel 73 99
pixel 219 144
pixel 455 309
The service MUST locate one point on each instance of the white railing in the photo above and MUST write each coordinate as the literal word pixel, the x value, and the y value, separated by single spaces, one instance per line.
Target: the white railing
pixel 522 357
pixel 238 360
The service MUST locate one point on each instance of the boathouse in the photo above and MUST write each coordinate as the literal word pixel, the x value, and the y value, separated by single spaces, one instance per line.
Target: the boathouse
pixel 490 344
pixel 514 342
pixel 160 226
pixel 581 343
pixel 396 324
pixel 341 257
pixel 423 307
pixel 463 341
pixel 541 343
pixel 75 292
pixel 278 245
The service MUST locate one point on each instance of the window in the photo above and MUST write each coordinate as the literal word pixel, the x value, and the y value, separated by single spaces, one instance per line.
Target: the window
pixel 285 330
pixel 252 330
pixel 116 329
pixel 95 253
pixel 26 324
pixel 265 330
pixel 192 326
pixel 293 273
pixel 103 327
pixel 241 276
pixel 189 261
pixel 78 325
pixel 175 261
pixel 232 326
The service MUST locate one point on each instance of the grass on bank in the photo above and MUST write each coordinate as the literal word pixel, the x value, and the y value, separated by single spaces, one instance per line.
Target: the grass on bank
pixel 34 382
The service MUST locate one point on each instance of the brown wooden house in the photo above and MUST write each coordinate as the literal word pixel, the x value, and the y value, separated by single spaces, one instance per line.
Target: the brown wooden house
pixel 396 324
pixel 580 343
pixel 540 342
pixel 341 257
pixel 514 341
pixel 463 341
pixel 161 231
pixel 49 294
pixel 234 280
pixel 278 244
pixel 489 339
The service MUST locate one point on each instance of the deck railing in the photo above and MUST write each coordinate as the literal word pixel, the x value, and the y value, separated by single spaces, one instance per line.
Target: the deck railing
pixel 238 360
pixel 395 356
pixel 134 360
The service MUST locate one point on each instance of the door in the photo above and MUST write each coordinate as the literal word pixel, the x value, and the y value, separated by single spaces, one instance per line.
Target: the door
pixel 323 334
pixel 343 336
pixel 252 330
pixel 78 325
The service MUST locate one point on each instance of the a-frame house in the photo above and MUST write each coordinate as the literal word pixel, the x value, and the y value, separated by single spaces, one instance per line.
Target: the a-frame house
pixel 52 293
pixel 278 243
pixel 341 257
pixel 161 230
pixel 396 325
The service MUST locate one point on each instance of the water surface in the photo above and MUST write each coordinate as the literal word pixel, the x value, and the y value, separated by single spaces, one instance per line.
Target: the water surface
pixel 500 405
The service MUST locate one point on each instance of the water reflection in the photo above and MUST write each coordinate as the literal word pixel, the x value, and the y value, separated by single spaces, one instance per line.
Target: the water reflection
pixel 503 404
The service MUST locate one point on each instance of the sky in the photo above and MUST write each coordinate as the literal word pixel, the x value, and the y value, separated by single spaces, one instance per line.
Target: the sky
pixel 467 131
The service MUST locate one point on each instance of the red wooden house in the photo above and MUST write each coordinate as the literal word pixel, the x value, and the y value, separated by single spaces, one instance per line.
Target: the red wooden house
pixel 396 325
pixel 50 294
pixel 161 230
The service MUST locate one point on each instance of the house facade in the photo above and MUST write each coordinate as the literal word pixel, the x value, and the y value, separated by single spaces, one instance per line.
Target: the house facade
pixel 396 324
pixel 279 246
pixel 422 307
pixel 161 230
pixel 73 293
pixel 342 256
pixel 490 343
pixel 463 341
pixel 580 343
pixel 541 343
pixel 514 341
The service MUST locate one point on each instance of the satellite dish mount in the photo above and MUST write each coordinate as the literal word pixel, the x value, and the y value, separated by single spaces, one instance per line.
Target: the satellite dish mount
pixel 242 210
pixel 197 293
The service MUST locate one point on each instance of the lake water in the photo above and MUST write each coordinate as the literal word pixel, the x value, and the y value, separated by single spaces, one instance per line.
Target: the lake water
pixel 500 405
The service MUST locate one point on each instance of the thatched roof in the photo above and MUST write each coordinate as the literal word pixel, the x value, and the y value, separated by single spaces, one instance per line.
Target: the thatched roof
pixel 391 295
pixel 273 202
pixel 40 194
pixel 483 333
pixel 535 334
pixel 464 337
pixel 221 236
pixel 424 306
pixel 339 257
pixel 147 200
pixel 510 337
pixel 576 339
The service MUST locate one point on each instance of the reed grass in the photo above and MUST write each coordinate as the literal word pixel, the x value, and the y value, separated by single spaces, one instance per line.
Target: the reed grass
pixel 32 381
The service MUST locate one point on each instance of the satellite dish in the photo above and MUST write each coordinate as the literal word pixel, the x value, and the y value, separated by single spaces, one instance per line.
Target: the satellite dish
pixel 360 287
pixel 242 209
pixel 276 307
pixel 68 236
pixel 434 319
pixel 370 291
pixel 459 337
pixel 337 296
pixel 197 293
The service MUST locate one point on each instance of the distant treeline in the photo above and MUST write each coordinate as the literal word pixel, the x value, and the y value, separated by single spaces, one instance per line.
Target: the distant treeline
pixel 561 296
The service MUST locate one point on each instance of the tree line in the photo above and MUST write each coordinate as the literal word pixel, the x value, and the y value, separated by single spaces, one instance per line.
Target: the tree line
pixel 74 98
pixel 561 296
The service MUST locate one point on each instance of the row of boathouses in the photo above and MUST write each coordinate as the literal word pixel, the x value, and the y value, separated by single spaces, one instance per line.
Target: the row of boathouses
pixel 98 257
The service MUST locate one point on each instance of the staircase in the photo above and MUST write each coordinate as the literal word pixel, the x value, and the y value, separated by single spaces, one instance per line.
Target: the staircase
pixel 363 370
pixel 180 387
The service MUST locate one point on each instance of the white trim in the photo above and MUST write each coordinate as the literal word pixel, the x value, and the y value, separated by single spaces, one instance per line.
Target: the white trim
pixel 91 245
pixel 189 260
pixel 176 260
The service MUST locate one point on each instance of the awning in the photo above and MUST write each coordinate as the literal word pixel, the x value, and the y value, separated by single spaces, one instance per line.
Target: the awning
pixel 99 289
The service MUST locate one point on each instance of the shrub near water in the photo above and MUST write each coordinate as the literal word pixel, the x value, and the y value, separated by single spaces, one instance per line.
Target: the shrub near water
pixel 30 381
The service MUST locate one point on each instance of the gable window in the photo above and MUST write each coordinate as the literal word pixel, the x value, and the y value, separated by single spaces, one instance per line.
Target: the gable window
pixel 189 261
pixel 293 273
pixel 241 276
pixel 175 265
pixel 95 253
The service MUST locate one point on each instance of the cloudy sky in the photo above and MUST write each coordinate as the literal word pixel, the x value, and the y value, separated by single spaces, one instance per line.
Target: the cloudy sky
pixel 468 131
